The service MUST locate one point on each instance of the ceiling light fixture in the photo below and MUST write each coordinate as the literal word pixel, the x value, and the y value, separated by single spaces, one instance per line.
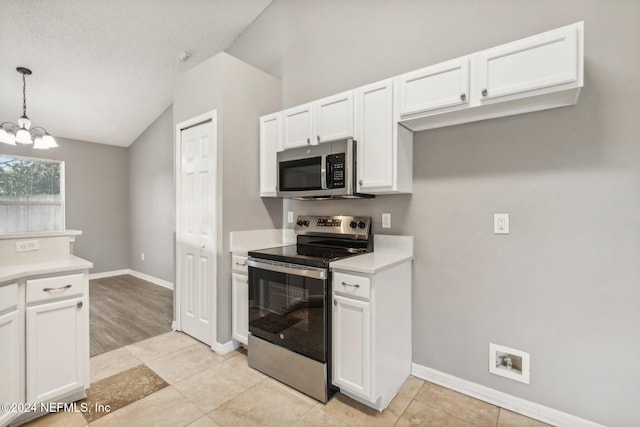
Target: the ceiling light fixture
pixel 22 133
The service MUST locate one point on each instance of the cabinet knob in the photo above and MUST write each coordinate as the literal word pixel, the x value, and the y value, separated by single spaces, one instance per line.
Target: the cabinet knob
pixel 308 141
pixel 485 92
pixel 360 182
pixel 463 97
pixel 79 304
pixel 335 302
pixel 318 137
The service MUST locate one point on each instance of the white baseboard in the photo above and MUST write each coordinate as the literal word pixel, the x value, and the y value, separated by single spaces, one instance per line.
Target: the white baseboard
pixel 108 274
pixel 503 400
pixel 134 273
pixel 151 279
pixel 225 348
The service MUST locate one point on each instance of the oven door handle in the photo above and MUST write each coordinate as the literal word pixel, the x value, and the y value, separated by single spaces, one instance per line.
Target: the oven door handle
pixel 294 269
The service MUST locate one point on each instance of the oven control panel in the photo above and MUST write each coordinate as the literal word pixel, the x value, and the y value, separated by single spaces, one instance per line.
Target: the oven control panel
pixel 335 224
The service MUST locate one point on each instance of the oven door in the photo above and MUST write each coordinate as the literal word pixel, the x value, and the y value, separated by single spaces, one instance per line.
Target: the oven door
pixel 288 306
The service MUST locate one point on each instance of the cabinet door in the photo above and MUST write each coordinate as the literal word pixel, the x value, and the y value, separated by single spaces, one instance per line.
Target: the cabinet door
pixel 537 62
pixel 376 154
pixel 10 363
pixel 432 88
pixel 240 307
pixel 351 328
pixel 56 349
pixel 298 126
pixel 270 144
pixel 334 117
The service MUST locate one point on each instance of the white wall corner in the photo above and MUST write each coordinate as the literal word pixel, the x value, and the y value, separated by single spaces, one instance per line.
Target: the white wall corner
pixel 503 400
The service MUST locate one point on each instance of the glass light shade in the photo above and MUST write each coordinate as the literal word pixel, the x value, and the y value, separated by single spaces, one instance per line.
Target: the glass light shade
pixel 7 137
pixel 39 143
pixel 23 137
pixel 49 141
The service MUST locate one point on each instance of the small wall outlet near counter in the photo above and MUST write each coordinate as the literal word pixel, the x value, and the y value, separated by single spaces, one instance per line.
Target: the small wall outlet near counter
pixel 27 245
pixel 509 362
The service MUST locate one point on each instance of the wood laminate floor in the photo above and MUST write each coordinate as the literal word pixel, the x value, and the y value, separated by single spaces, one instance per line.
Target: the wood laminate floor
pixel 125 310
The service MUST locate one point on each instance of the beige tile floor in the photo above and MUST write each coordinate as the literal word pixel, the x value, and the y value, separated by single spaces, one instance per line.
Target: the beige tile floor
pixel 206 389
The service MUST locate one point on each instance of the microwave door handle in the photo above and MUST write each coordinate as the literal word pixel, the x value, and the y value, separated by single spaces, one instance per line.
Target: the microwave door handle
pixel 323 172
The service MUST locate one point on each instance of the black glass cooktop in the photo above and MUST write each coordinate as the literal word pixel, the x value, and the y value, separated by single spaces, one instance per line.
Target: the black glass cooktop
pixel 305 255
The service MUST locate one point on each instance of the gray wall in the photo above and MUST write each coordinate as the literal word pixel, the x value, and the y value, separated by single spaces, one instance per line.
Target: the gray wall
pixel 563 285
pixel 151 200
pixel 97 198
pixel 240 94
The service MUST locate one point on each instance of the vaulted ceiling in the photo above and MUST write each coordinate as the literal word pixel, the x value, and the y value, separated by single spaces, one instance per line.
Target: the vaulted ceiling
pixel 103 71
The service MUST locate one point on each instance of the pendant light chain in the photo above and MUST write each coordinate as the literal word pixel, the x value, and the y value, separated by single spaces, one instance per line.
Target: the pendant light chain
pixel 24 95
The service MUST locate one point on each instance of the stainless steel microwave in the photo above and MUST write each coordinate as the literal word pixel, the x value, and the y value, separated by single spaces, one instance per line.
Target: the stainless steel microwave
pixel 324 171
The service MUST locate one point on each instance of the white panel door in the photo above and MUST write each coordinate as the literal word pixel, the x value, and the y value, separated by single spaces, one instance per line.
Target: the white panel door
pixel 537 62
pixel 439 86
pixel 351 339
pixel 240 307
pixel 270 144
pixel 56 343
pixel 10 363
pixel 196 230
pixel 334 117
pixel 376 154
pixel 298 126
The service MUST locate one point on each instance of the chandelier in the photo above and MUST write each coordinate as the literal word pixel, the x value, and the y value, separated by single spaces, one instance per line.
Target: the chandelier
pixel 22 133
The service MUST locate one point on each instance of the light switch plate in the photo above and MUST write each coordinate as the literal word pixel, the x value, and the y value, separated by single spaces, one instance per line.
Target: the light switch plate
pixel 290 217
pixel 386 220
pixel 501 223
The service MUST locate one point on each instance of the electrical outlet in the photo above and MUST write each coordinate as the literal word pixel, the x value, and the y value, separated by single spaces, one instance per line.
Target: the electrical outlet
pixel 141 256
pixel 27 245
pixel 290 217
pixel 386 220
pixel 501 223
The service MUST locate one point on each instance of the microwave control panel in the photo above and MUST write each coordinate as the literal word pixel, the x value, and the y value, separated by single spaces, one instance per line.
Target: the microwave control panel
pixel 335 170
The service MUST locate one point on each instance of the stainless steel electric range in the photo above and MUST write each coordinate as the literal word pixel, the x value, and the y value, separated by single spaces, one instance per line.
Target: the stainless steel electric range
pixel 289 294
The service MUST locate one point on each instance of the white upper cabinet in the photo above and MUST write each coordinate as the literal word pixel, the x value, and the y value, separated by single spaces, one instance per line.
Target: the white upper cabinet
pixel 537 73
pixel 324 120
pixel 384 155
pixel 334 117
pixel 298 126
pixel 542 61
pixel 270 144
pixel 432 88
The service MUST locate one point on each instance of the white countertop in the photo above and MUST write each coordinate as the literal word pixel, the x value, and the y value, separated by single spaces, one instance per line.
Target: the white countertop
pixel 39 234
pixel 387 252
pixel 241 242
pixel 52 266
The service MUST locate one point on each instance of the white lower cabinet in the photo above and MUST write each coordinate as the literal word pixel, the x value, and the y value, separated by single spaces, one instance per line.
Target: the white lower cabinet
pixel 56 356
pixel 11 360
pixel 352 341
pixel 240 302
pixel 239 299
pixel 371 333
pixel 44 342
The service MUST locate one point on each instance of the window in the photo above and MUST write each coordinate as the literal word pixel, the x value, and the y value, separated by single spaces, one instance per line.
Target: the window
pixel 31 195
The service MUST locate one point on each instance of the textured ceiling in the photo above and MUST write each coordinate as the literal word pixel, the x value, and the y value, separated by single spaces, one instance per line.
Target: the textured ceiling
pixel 103 71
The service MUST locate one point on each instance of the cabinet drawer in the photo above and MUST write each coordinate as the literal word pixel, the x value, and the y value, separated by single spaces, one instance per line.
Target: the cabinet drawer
pixel 351 285
pixel 239 264
pixel 52 288
pixel 8 297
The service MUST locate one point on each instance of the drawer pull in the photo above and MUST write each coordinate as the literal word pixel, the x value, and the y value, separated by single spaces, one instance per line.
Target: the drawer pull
pixel 56 289
pixel 241 264
pixel 349 284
